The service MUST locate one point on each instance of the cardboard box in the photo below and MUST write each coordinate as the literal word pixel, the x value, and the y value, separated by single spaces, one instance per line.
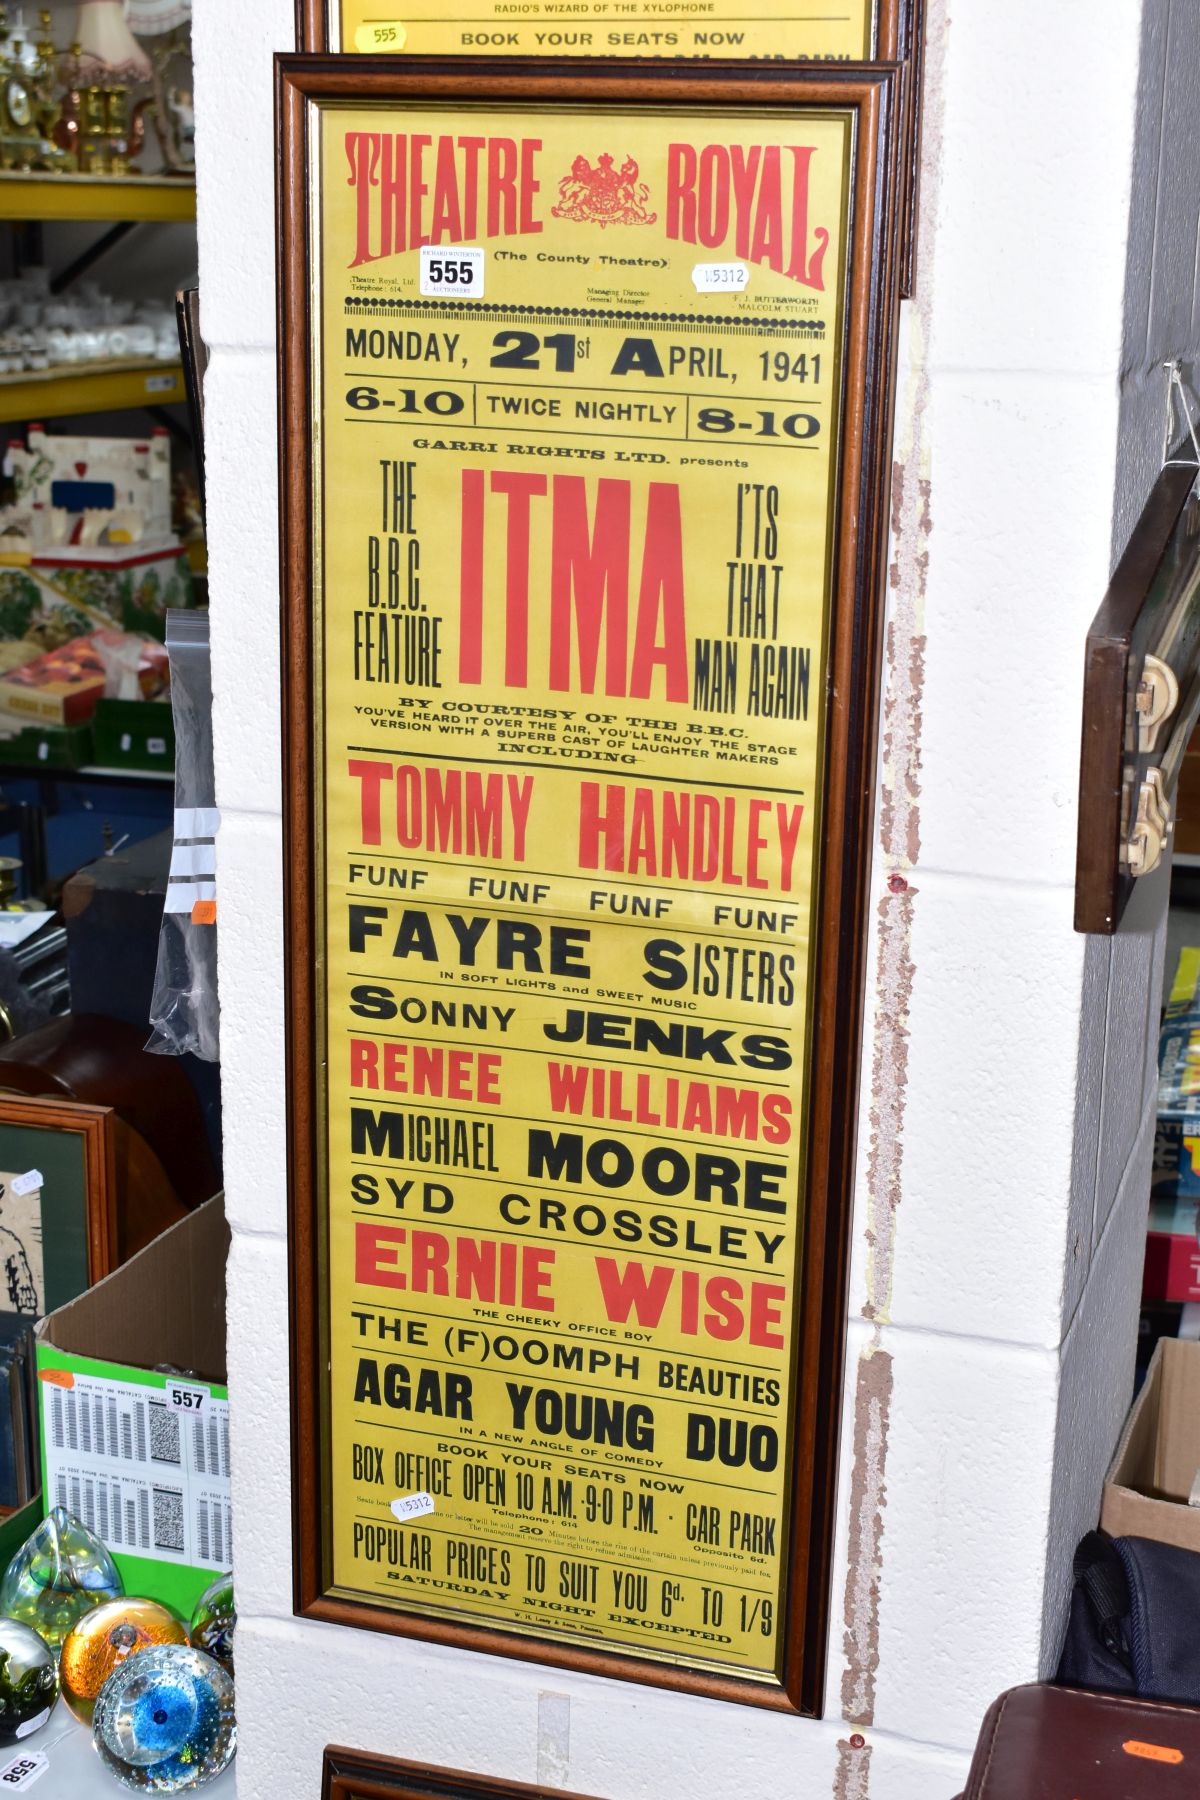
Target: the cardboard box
pixel 64 686
pixel 143 1457
pixel 60 687
pixel 1147 1486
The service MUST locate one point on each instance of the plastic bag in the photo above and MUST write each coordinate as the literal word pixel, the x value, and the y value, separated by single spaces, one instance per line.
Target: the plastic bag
pixel 184 1010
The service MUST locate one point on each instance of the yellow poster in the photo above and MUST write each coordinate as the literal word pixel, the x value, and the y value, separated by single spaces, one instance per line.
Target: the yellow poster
pixel 784 30
pixel 577 381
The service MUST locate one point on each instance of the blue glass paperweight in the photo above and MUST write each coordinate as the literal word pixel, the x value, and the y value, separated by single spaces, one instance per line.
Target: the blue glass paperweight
pixel 164 1720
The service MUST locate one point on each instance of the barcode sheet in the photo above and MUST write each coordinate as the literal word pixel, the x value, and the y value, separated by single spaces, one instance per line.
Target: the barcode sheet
pixel 146 1479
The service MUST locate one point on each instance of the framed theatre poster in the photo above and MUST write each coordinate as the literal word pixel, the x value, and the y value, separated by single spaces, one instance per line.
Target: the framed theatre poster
pixel 781 30
pixel 355 1775
pixel 58 1222
pixel 586 396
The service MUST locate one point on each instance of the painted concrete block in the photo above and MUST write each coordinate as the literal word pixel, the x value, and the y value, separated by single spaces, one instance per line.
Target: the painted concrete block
pixel 233 46
pixel 989 1121
pixel 250 889
pixel 964 1530
pixel 1001 214
pixel 244 577
pixel 1019 562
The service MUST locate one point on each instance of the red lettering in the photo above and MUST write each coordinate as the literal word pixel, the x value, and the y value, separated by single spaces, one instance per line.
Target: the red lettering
pixel 633 1289
pixel 470 579
pixel 429 190
pixel 362 153
pixel 502 187
pixel 519 490
pixel 372 775
pixel 589 568
pixel 446 226
pixel 736 1309
pixel 377 1253
pixel 766 1314
pixel 681 192
pixel 661 596
pixel 811 271
pixel 417 189
pixel 436 1071
pixel 712 221
pixel 738 188
pixel 393 195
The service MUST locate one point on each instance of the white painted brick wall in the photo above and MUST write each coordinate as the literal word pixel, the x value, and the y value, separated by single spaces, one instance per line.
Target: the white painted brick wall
pixel 1024 1140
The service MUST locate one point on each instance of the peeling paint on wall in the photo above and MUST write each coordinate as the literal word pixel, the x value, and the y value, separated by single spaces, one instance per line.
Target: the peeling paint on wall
pixel 872 1407
pixel 900 843
pixel 853 1779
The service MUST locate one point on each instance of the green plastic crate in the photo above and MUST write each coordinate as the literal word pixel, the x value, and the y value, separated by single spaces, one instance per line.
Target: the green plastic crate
pixel 134 734
pixel 48 747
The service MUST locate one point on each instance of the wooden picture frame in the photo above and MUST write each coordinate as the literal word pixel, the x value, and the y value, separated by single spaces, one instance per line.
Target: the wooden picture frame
pixel 1151 609
pixel 359 1775
pixel 65 1231
pixel 859 539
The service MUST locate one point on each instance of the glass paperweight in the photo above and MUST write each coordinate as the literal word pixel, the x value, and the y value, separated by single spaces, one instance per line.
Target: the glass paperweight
pixel 60 1572
pixel 164 1720
pixel 106 1636
pixel 28 1681
pixel 213 1620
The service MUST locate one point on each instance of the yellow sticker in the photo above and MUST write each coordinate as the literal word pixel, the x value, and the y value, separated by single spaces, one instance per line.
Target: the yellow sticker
pixel 380 35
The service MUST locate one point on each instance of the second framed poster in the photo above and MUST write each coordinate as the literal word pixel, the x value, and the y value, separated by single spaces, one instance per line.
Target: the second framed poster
pixel 791 30
pixel 586 409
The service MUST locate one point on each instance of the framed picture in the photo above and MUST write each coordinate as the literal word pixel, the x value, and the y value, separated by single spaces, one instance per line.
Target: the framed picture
pixel 57 1201
pixel 860 31
pixel 355 1775
pixel 1141 695
pixel 585 457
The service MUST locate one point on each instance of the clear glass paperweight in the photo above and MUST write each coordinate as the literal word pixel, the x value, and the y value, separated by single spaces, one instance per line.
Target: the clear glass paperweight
pixel 108 1635
pixel 164 1721
pixel 61 1571
pixel 28 1681
pixel 213 1620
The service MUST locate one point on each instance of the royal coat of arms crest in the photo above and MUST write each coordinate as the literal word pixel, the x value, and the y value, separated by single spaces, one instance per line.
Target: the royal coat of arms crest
pixel 603 195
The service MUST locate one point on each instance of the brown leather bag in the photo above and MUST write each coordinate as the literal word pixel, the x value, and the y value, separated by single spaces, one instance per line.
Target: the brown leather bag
pixel 1052 1743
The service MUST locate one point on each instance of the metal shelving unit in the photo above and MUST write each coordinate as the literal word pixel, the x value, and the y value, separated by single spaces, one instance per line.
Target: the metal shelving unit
pixel 89 388
pixel 125 199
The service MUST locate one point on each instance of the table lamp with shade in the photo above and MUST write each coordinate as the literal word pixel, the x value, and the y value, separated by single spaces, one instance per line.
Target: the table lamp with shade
pixel 107 46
